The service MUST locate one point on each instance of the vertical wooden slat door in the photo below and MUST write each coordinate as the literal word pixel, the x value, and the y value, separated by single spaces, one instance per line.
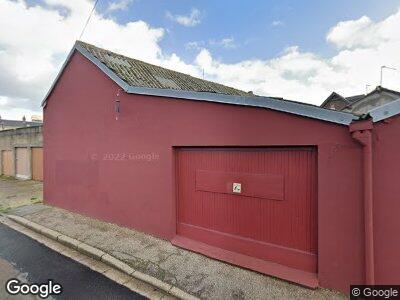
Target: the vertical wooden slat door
pixel 260 202
pixel 7 161
pixel 22 163
pixel 37 164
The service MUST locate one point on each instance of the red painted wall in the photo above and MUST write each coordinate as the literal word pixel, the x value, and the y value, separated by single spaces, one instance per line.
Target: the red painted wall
pixel 386 161
pixel 93 164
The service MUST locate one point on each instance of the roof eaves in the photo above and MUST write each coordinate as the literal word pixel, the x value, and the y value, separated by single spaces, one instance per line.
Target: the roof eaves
pixel 94 60
pixel 383 89
pixel 259 101
pixel 384 111
pixel 122 84
pixel 255 101
pixel 305 110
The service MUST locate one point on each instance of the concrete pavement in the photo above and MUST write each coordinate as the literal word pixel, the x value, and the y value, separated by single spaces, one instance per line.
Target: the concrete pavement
pixel 194 273
pixel 191 272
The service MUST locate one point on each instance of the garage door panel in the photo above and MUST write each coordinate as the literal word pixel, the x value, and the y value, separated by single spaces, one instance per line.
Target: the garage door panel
pixel 37 163
pixel 7 162
pixel 219 212
pixel 22 164
pixel 286 256
pixel 276 205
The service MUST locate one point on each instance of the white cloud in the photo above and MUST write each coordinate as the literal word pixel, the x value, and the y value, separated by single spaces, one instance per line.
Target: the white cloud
pixel 364 33
pixel 108 34
pixel 175 63
pixel 190 20
pixel 194 45
pixel 119 5
pixel 15 108
pixel 29 61
pixel 277 23
pixel 363 46
pixel 228 43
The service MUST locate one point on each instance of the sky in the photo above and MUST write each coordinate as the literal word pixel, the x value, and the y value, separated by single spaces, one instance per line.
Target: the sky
pixel 299 50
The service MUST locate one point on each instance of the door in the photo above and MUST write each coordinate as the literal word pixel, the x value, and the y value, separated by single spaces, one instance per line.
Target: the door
pixel 7 161
pixel 22 163
pixel 260 202
pixel 37 164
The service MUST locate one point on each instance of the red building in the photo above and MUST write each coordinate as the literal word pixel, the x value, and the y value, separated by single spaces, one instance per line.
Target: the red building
pixel 288 189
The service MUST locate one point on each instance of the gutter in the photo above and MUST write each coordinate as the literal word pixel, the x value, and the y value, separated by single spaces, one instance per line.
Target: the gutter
pixel 362 133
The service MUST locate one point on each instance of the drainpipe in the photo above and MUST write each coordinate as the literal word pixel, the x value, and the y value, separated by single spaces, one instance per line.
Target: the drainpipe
pixel 362 132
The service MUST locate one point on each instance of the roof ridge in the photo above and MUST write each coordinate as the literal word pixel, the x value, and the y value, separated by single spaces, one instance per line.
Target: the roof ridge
pixel 379 87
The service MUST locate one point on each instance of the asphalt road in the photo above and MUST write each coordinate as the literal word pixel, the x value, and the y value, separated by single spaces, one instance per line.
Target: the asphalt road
pixel 24 258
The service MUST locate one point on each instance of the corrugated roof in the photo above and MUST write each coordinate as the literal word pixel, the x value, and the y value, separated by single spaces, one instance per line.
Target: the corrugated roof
pixel 141 74
pixel 353 99
pixel 132 81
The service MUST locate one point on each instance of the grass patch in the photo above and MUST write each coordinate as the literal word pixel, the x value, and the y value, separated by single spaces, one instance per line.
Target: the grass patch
pixel 33 200
pixel 4 210
pixel 4 177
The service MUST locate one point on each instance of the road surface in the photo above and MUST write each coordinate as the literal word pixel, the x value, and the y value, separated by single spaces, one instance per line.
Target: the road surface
pixel 31 262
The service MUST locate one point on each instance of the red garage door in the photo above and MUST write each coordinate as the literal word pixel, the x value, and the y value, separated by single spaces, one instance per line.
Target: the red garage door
pixel 260 202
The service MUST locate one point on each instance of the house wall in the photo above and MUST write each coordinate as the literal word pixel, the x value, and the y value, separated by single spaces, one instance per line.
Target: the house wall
pixel 123 170
pixel 372 101
pixel 26 137
pixel 336 104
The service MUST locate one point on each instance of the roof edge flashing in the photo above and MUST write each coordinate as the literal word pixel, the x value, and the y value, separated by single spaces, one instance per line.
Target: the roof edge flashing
pixel 384 111
pixel 94 60
pixel 315 112
pixel 122 84
pixel 259 101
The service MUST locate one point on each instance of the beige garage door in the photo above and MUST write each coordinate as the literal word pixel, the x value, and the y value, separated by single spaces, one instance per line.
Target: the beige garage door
pixel 37 164
pixel 7 161
pixel 22 161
